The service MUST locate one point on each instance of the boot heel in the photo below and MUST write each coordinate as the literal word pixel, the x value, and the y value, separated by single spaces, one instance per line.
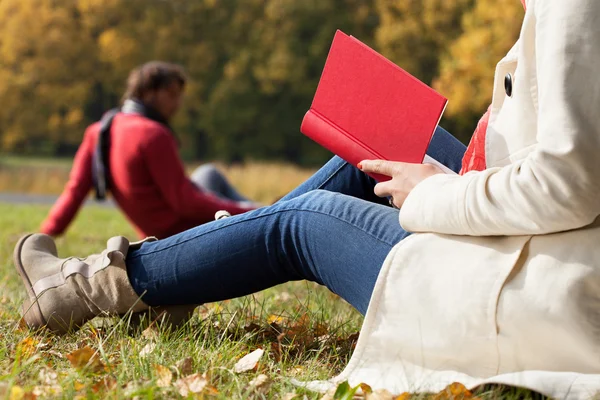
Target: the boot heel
pixel 31 311
pixel 32 315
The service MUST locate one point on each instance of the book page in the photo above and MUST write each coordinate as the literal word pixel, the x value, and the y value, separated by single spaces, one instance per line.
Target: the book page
pixel 431 160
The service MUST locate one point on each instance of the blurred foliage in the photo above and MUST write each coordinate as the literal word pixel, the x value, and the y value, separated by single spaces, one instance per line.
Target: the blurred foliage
pixel 253 64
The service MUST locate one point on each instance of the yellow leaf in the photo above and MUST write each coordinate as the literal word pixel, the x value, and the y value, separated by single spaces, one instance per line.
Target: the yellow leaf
pixel 454 391
pixel 365 388
pixel 275 319
pixel 163 375
pixel 16 393
pixel 86 359
pixel 403 396
pixel 27 347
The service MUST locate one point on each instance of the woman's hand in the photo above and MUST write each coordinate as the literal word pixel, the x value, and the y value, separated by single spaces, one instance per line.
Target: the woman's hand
pixel 405 177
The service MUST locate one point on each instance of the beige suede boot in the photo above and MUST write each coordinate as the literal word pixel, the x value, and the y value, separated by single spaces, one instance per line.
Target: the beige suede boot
pixel 65 293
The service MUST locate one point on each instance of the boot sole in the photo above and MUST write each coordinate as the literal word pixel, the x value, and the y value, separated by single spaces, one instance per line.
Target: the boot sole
pixel 32 313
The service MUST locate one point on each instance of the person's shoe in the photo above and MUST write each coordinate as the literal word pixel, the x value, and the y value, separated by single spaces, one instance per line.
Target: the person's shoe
pixel 65 293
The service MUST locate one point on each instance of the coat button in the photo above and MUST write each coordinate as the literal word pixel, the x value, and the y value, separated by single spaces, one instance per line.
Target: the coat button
pixel 508 84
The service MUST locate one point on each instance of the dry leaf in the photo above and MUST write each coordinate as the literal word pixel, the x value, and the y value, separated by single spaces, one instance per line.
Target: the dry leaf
pixel 16 393
pixel 150 333
pixel 87 359
pixel 380 394
pixel 211 390
pixel 275 319
pixel 191 384
pixel 249 361
pixel 28 347
pixel 147 349
pixel 163 375
pixel 289 396
pixel 403 396
pixel 320 329
pixel 185 366
pixel 454 391
pixel 106 383
pixel 297 370
pixel 261 383
pixel 366 389
pixel 48 377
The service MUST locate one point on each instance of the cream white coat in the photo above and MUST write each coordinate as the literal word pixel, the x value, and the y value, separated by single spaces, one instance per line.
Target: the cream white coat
pixel 502 281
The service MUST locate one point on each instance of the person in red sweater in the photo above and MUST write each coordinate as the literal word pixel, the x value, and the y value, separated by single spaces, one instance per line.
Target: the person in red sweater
pixel 141 166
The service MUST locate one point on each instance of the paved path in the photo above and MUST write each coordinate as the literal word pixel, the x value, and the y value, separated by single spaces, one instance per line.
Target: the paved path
pixel 20 198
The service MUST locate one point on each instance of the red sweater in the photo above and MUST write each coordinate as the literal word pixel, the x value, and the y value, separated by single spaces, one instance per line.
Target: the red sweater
pixel 149 182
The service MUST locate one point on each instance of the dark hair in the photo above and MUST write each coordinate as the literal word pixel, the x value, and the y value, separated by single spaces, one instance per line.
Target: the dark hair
pixel 151 76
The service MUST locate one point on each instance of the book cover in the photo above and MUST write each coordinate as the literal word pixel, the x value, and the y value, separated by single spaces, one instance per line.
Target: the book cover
pixel 366 107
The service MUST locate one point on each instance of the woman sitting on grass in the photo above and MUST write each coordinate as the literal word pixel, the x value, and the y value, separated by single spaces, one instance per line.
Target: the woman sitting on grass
pixel 499 282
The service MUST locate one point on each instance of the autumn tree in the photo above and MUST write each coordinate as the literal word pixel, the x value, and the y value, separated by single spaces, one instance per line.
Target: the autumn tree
pixel 45 66
pixel 467 71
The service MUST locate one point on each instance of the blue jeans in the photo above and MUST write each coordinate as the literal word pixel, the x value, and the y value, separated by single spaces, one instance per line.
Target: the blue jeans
pixel 207 177
pixel 332 230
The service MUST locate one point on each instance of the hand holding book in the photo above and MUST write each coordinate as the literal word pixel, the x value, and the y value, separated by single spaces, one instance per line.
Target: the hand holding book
pixel 404 177
pixel 368 108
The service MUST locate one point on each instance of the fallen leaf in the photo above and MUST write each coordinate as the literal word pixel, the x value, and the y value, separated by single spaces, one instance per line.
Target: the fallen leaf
pixel 403 396
pixel 106 383
pixel 150 333
pixel 163 375
pixel 260 383
pixel 454 391
pixel 275 319
pixel 366 389
pixel 295 371
pixel 191 384
pixel 249 361
pixel 185 366
pixel 86 359
pixel 16 393
pixel 211 390
pixel 380 394
pixel 48 377
pixel 147 349
pixel 28 347
pixel 320 329
pixel 289 396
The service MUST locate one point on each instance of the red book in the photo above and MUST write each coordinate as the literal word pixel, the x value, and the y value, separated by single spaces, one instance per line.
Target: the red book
pixel 366 107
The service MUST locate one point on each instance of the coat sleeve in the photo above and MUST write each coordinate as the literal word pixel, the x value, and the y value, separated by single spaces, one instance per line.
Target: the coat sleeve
pixel 557 187
pixel 168 173
pixel 76 189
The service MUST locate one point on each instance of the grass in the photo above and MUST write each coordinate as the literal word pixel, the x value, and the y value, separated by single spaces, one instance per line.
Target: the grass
pixel 317 326
pixel 306 331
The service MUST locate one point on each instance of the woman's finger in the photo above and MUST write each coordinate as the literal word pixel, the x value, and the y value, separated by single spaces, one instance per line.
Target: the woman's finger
pixel 384 189
pixel 381 167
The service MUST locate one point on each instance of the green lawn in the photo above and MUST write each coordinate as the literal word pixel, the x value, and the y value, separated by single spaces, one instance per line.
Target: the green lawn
pixel 306 333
